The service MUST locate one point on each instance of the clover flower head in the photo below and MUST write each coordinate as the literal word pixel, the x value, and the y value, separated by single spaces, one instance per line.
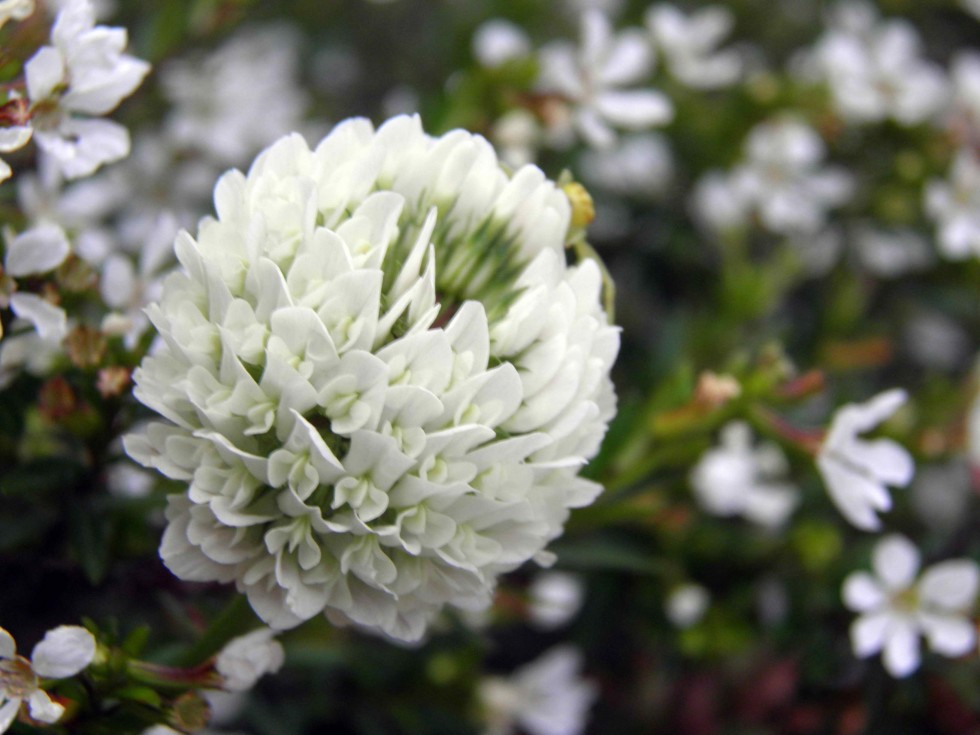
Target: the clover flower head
pixel 896 605
pixel 64 651
pixel 379 378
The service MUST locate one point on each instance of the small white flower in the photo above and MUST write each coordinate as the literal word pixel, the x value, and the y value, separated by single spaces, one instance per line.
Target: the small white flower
pixel 64 651
pixel 545 697
pixel 857 470
pixel 15 10
pixel 554 598
pixel 687 604
pixel 783 179
pixel 896 607
pixel 246 659
pixel 689 43
pixel 592 76
pixel 955 206
pixel 736 478
pixel 875 69
pixel 891 253
pixel 640 165
pixel 84 71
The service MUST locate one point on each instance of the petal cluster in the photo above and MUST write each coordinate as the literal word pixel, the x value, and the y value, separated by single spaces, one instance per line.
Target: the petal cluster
pixel 379 378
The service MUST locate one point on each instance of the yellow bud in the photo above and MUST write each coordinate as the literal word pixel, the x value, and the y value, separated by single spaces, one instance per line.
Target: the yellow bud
pixel 583 210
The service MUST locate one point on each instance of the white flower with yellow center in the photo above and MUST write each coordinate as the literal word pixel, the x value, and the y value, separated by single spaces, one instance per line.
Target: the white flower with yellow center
pixel 379 378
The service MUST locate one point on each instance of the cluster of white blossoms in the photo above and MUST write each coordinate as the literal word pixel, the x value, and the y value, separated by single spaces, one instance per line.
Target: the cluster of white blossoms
pixel 379 378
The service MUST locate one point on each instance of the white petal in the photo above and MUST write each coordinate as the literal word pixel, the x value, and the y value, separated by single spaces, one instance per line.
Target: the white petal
pixel 887 460
pixel 949 635
pixel 896 562
pixel 950 585
pixel 42 708
pixel 635 110
pixel 62 652
pixel 49 320
pixel 861 592
pixel 868 633
pixel 854 494
pixel 8 648
pixel 8 713
pixel 44 71
pixel 38 250
pixel 13 138
pixel 901 653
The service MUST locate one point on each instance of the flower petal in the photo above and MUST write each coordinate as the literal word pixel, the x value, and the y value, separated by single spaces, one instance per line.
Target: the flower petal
pixel 901 652
pixel 637 109
pixel 49 320
pixel 38 250
pixel 868 633
pixel 64 651
pixel 896 561
pixel 42 708
pixel 861 592
pixel 950 585
pixel 8 648
pixel 8 713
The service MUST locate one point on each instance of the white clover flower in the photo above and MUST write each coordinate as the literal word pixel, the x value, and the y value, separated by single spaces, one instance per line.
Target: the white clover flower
pixel 736 478
pixel 64 651
pixel 554 598
pixel 896 607
pixel 955 206
pixel 689 44
pixel 84 71
pixel 875 69
pixel 379 378
pixel 856 470
pixel 15 10
pixel 246 659
pixel 591 78
pixel 545 697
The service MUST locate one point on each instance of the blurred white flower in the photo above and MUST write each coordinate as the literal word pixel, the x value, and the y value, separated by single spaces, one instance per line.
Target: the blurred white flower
pixel 972 7
pixel 38 250
pixel 379 376
pixel 230 104
pixel 783 180
pixel 63 652
pixel 896 607
pixel 545 697
pixel 687 604
pixel 955 207
pixel 737 478
pixel 935 339
pixel 84 72
pixel 941 495
pixel 689 44
pixel 639 165
pixel 591 78
pixel 891 253
pixel 498 41
pixel 856 471
pixel 246 659
pixel 717 205
pixel 554 598
pixel 875 69
pixel 15 10
pixel 12 139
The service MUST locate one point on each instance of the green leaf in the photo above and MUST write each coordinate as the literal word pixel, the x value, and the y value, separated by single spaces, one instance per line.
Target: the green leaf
pixel 89 538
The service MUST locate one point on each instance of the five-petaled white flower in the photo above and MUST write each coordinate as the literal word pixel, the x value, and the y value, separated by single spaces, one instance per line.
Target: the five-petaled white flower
pixel 591 78
pixel 380 378
pixel 83 72
pixel 246 659
pixel 896 607
pixel 856 470
pixel 64 651
pixel 545 697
